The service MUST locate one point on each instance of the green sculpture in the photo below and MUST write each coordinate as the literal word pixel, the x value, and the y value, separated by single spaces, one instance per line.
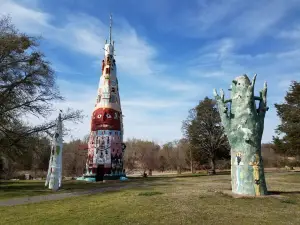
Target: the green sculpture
pixel 243 124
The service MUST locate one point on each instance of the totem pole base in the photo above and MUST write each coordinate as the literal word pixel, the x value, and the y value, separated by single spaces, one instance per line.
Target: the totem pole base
pixel 92 178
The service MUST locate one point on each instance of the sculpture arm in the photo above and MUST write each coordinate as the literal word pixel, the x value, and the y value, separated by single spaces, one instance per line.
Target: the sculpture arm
pixel 250 90
pixel 223 110
pixel 263 102
pixel 253 82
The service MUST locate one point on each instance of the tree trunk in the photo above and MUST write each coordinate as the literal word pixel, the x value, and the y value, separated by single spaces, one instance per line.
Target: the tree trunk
pixel 178 169
pixel 150 172
pixel 212 166
pixel 191 160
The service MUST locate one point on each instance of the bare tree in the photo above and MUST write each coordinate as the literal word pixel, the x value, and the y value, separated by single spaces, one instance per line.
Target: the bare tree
pixel 141 154
pixel 27 87
pixel 74 158
pixel 175 154
pixel 181 149
pixel 130 155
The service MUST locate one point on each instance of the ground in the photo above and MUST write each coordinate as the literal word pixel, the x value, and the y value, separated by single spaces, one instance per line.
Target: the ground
pixel 168 200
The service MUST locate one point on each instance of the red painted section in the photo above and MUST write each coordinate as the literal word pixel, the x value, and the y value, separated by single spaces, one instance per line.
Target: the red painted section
pixel 106 119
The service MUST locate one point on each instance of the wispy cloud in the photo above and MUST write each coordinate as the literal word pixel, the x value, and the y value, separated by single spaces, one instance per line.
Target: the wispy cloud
pixel 25 18
pixel 85 34
pixel 229 38
pixel 242 20
pixel 291 34
pixel 165 114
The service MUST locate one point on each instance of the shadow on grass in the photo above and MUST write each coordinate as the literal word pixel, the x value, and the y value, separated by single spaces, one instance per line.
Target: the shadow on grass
pixel 150 193
pixel 282 192
pixel 10 186
pixel 31 188
pixel 17 188
pixel 289 201
pixel 69 185
pixel 168 177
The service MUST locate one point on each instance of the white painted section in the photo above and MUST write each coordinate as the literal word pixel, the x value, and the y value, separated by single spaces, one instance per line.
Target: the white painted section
pixel 55 164
pixel 109 49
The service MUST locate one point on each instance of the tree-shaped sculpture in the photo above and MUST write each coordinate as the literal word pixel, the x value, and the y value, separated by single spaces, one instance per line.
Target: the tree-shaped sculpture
pixel 244 124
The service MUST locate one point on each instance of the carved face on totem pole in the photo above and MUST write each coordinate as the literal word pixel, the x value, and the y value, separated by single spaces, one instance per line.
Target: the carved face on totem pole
pixel 106 119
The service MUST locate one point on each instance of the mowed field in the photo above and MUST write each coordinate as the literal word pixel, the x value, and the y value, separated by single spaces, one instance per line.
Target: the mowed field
pixel 186 199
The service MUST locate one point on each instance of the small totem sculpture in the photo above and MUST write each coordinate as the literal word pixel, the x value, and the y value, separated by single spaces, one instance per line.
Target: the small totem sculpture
pixel 244 124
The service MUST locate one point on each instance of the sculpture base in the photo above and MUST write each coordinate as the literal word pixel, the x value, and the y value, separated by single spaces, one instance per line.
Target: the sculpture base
pixel 230 193
pixel 92 177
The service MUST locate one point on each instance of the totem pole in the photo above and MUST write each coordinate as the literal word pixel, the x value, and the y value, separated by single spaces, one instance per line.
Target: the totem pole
pixel 54 175
pixel 105 146
pixel 244 124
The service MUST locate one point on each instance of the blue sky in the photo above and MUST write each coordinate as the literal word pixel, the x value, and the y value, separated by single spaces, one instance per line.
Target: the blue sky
pixel 169 54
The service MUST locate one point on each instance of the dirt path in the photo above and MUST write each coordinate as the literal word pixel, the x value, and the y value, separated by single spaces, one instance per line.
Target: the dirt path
pixel 50 197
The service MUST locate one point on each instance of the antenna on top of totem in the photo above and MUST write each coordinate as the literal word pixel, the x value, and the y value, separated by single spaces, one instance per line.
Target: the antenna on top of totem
pixel 110 28
pixel 109 47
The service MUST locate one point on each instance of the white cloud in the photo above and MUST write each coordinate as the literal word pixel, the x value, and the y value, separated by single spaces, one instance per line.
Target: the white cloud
pixel 220 60
pixel 291 34
pixel 213 65
pixel 86 34
pixel 260 18
pixel 135 58
pixel 25 18
pixel 245 21
pixel 138 122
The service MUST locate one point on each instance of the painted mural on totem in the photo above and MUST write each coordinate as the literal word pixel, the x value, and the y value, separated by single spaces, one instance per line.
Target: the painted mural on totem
pixel 105 146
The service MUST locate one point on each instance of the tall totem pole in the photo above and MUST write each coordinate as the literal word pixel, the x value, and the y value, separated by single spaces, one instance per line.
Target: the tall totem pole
pixel 244 124
pixel 54 175
pixel 105 146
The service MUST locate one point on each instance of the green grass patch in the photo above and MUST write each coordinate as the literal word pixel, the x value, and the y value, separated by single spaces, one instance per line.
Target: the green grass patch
pixel 184 201
pixel 28 188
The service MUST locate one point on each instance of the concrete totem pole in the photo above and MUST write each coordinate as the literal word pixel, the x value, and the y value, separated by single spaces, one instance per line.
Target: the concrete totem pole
pixel 54 175
pixel 105 146
pixel 243 123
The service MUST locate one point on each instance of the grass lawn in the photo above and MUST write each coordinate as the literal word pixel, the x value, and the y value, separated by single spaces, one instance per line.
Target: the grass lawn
pixel 18 189
pixel 169 200
pixel 27 188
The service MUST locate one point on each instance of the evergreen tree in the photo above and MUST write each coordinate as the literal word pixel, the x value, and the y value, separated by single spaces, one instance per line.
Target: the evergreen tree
pixel 289 113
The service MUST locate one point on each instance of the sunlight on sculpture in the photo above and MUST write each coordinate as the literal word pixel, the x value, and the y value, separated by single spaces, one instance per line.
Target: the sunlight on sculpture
pixel 244 124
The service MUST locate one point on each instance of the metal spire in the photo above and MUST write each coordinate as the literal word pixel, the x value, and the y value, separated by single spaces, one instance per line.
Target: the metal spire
pixel 110 27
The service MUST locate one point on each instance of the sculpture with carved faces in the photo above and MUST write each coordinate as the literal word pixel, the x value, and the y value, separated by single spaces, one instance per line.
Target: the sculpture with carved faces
pixel 106 119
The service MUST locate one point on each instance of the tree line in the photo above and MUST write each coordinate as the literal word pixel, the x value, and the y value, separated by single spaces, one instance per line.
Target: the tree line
pixel 28 88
